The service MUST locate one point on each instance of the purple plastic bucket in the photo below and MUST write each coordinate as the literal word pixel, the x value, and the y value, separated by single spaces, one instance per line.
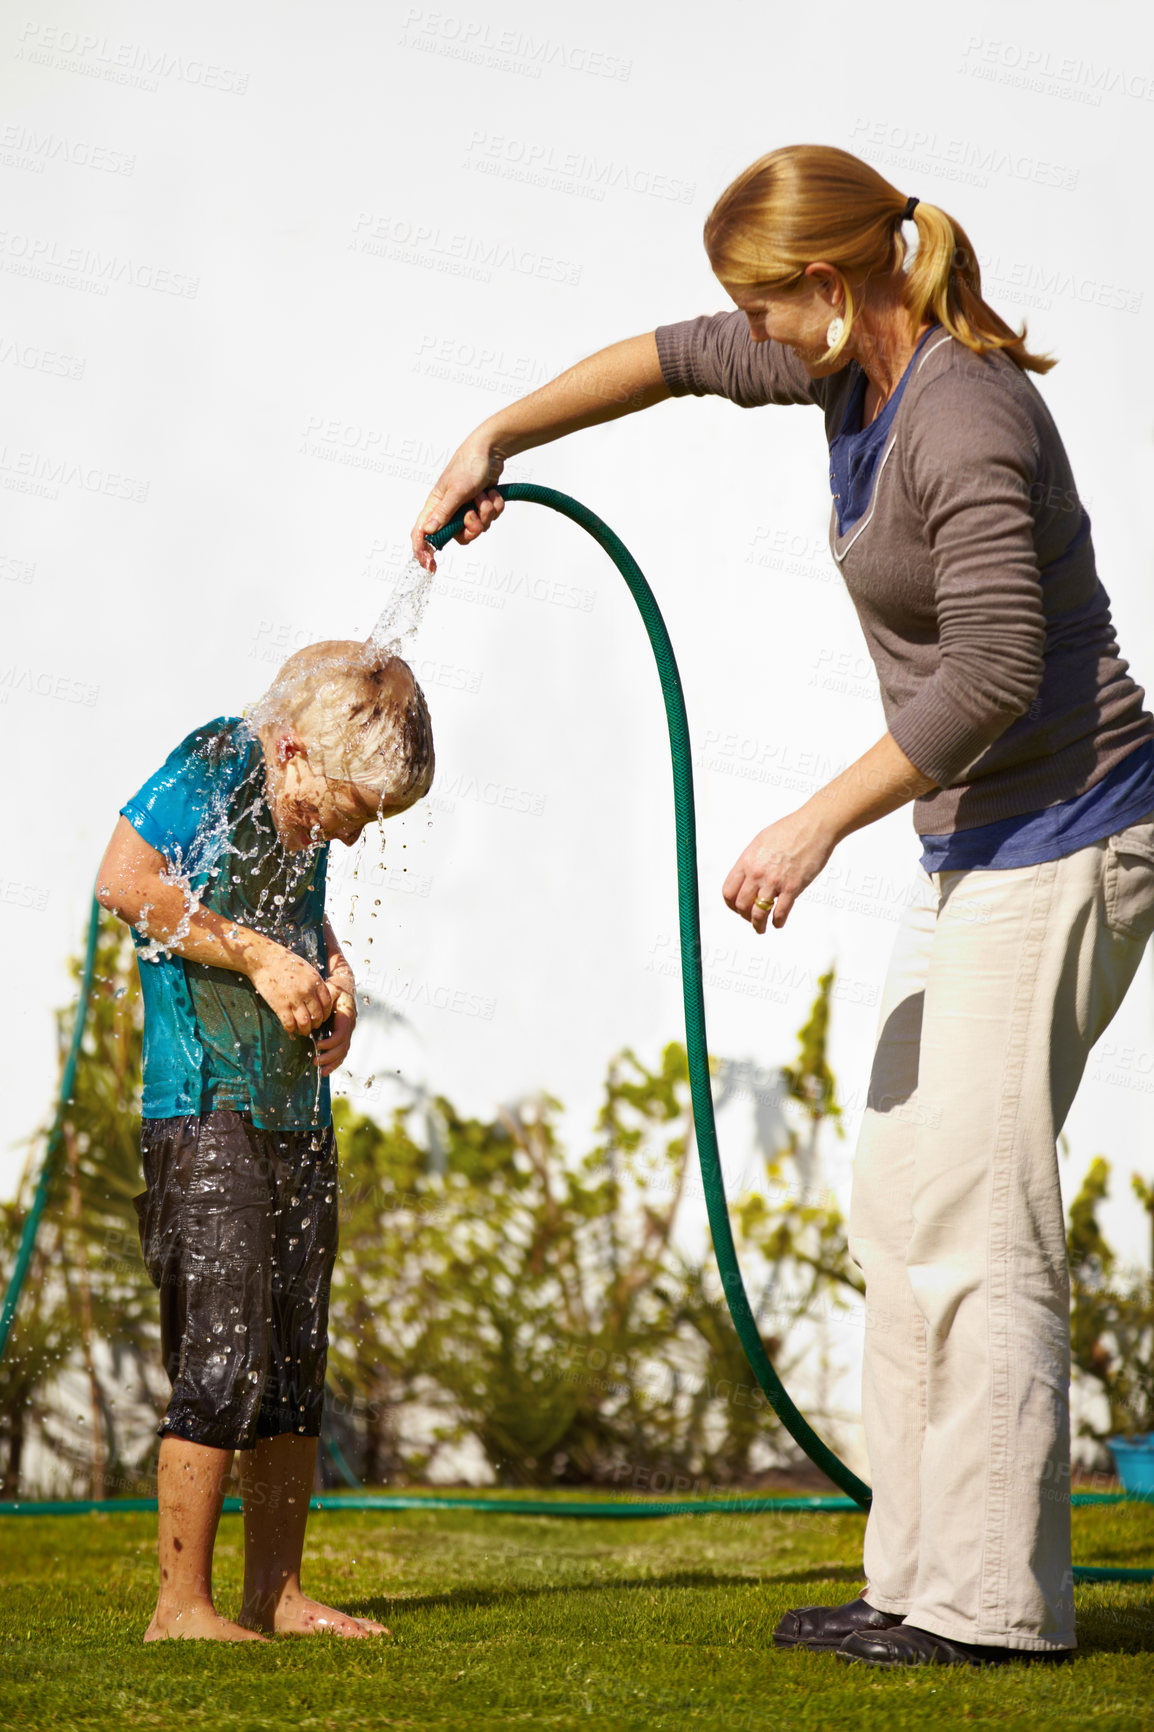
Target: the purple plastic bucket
pixel 1134 1459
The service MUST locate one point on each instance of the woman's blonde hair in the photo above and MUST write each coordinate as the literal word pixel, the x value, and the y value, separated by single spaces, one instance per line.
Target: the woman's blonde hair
pixel 808 203
pixel 361 714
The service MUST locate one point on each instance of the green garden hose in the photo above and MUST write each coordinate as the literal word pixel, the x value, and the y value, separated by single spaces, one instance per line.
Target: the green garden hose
pixel 690 926
pixel 696 1044
pixel 48 1169
pixel 858 1493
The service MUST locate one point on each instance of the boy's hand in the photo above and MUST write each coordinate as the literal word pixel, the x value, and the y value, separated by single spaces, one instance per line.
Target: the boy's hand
pixel 333 1049
pixel 290 986
pixel 340 976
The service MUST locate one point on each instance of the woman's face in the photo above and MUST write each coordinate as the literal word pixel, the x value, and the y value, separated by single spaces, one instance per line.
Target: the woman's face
pixel 798 317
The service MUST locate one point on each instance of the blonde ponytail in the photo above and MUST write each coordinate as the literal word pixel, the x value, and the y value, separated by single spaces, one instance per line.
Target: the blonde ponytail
pixel 945 283
pixel 807 203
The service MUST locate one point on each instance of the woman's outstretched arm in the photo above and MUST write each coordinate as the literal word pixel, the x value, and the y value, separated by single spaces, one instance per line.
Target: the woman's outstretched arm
pixel 613 382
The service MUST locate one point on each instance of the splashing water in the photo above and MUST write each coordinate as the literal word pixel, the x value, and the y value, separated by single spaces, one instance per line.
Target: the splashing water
pixel 175 872
pixel 402 614
pixel 320 1081
pixel 236 836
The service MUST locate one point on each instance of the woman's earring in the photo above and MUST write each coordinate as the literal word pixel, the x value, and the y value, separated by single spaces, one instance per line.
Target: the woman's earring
pixel 833 334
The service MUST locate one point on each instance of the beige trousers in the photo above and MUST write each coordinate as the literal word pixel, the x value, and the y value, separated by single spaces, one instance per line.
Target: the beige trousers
pixel 1000 984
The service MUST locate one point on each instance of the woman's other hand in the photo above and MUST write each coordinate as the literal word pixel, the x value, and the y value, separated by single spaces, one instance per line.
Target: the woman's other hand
pixel 782 860
pixel 777 866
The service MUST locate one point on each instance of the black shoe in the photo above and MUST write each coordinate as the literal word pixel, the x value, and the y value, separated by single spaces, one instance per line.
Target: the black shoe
pixel 910 1646
pixel 826 1627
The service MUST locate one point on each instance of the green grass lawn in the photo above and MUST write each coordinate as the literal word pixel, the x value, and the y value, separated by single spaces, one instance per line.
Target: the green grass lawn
pixel 527 1621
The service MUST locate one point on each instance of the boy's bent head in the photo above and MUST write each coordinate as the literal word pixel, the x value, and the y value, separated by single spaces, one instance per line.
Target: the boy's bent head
pixel 347 737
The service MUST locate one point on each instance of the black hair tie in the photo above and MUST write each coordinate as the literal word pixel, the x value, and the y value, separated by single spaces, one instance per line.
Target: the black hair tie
pixel 911 206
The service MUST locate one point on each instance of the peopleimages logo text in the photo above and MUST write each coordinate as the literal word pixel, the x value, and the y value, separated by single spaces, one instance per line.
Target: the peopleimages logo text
pixel 958 158
pixel 423 243
pixel 506 49
pixel 122 62
pixel 1029 63
pixel 41 255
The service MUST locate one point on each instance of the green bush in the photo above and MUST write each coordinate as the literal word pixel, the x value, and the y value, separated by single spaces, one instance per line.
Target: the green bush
pixel 506 1295
pixel 1111 1313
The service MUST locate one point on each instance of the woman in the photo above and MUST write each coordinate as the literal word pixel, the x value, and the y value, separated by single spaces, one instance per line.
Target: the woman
pixel 1014 726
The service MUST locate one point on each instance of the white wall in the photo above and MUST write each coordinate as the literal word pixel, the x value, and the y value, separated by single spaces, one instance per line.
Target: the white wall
pixel 264 266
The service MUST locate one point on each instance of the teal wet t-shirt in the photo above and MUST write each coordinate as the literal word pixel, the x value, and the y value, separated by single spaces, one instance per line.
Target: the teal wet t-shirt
pixel 210 1040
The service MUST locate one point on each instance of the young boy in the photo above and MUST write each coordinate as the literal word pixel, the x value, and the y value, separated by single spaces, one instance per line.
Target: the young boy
pixel 219 865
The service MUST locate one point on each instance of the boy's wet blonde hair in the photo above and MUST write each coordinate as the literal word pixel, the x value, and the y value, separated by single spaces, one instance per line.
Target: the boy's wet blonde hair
pixel 361 714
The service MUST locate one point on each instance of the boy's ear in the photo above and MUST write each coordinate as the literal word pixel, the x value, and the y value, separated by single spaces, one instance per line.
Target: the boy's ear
pixel 289 745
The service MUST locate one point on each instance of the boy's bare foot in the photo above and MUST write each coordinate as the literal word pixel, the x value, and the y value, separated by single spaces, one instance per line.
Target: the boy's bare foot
pixel 297 1615
pixel 198 1623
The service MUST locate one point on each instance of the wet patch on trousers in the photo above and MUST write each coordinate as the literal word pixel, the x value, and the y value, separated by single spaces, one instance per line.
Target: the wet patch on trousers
pixel 238 1227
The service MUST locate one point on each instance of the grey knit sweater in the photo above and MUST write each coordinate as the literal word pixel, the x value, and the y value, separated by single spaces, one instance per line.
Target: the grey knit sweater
pixel 972 571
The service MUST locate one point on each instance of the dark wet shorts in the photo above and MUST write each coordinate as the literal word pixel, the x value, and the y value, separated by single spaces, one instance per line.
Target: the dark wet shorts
pixel 239 1231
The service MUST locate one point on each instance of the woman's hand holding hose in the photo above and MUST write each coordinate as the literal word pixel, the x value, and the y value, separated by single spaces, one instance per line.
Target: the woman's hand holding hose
pixel 468 478
pixel 615 381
